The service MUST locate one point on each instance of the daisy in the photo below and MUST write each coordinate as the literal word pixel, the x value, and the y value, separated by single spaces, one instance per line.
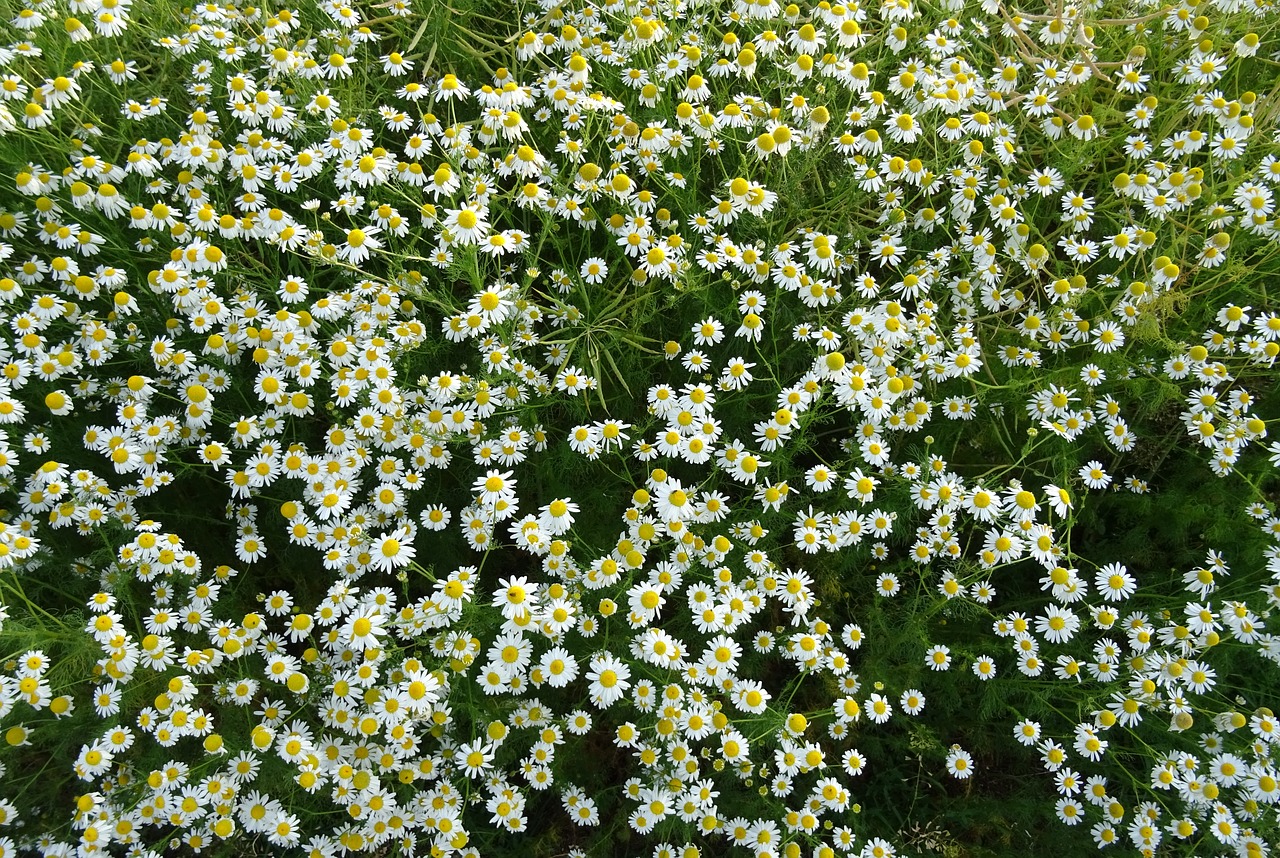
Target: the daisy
pixel 557 516
pixel 1026 732
pixel 1131 80
pixel 1059 499
pixel 609 680
pixel 594 270
pixel 338 66
pixel 1227 146
pixel 1094 475
pixel 392 550
pixel 708 332
pixel 1247 45
pixel 1084 127
pixel 888 584
pixel 1057 625
pixel 878 708
pixel 1070 811
pixel 359 244
pixel 821 478
pixel 362 629
pixel 693 360
pixel 467 225
pixel 1114 583
pixel 903 128
pixel 959 763
pixel 475 757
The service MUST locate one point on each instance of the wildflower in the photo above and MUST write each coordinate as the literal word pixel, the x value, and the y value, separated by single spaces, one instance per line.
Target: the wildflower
pixel 359 244
pixel 496 486
pixel 467 225
pixel 362 629
pixel 1114 583
pixel 708 332
pixel 1070 811
pixel 959 763
pixel 474 758
pixel 937 657
pixel 1085 127
pixel 1108 336
pixel 594 270
pixel 1059 499
pixel 515 596
pixel 572 380
pixel 673 503
pixel 984 667
pixel 1088 744
pixel 392 550
pixel 1058 624
pixel 609 680
pixel 878 708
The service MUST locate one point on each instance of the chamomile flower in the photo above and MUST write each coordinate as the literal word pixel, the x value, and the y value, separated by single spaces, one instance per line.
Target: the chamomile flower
pixel 393 550
pixel 1094 475
pixel 959 763
pixel 708 332
pixel 609 679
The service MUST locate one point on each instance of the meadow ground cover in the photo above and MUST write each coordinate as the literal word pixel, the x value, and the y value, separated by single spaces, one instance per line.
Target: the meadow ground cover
pixel 685 428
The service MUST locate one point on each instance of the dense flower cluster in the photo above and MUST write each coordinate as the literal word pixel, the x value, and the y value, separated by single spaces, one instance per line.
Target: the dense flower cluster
pixel 251 279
